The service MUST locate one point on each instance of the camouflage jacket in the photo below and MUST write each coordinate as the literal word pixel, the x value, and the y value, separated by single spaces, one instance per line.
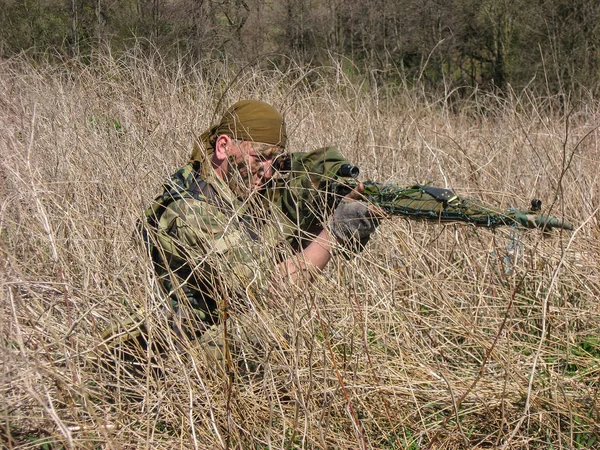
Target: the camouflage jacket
pixel 207 245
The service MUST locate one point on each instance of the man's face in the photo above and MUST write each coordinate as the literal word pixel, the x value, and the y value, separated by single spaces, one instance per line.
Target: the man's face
pixel 250 165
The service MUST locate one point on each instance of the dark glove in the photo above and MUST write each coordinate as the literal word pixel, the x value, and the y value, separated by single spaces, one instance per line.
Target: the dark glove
pixel 539 221
pixel 352 224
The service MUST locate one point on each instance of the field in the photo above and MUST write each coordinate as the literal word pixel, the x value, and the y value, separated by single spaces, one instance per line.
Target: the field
pixel 440 336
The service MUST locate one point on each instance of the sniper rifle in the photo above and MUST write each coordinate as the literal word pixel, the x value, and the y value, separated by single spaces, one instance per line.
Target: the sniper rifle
pixel 323 177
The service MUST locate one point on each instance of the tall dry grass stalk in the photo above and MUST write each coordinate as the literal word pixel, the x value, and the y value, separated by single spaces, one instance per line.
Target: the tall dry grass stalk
pixel 437 336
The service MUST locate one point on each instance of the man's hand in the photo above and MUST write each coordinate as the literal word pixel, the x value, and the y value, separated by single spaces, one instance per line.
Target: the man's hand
pixel 353 221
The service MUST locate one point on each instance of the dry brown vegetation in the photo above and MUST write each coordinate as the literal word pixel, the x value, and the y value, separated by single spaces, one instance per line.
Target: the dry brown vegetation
pixel 437 336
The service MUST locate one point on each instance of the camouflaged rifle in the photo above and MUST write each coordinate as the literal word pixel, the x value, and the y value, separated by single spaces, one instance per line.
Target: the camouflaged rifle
pixel 315 181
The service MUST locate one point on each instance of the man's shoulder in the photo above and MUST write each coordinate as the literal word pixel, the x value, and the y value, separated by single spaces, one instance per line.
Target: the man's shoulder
pixel 178 186
pixel 188 182
pixel 190 186
pixel 184 178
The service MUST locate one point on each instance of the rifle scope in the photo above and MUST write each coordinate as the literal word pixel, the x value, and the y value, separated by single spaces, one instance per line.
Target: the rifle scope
pixel 348 171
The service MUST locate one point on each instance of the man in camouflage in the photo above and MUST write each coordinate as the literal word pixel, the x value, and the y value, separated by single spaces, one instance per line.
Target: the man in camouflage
pixel 214 236
pixel 221 230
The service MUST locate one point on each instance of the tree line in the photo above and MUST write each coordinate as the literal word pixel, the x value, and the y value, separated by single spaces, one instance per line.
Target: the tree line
pixel 552 45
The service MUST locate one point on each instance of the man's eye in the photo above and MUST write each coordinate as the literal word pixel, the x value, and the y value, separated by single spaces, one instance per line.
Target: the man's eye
pixel 281 162
pixel 256 155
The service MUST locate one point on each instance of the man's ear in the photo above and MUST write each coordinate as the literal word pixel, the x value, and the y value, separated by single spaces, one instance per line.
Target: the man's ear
pixel 221 146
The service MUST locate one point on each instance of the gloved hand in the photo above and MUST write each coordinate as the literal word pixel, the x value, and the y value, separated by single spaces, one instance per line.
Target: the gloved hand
pixel 352 224
pixel 539 221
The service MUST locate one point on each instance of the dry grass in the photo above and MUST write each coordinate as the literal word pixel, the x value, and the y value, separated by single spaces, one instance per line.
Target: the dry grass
pixel 436 336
